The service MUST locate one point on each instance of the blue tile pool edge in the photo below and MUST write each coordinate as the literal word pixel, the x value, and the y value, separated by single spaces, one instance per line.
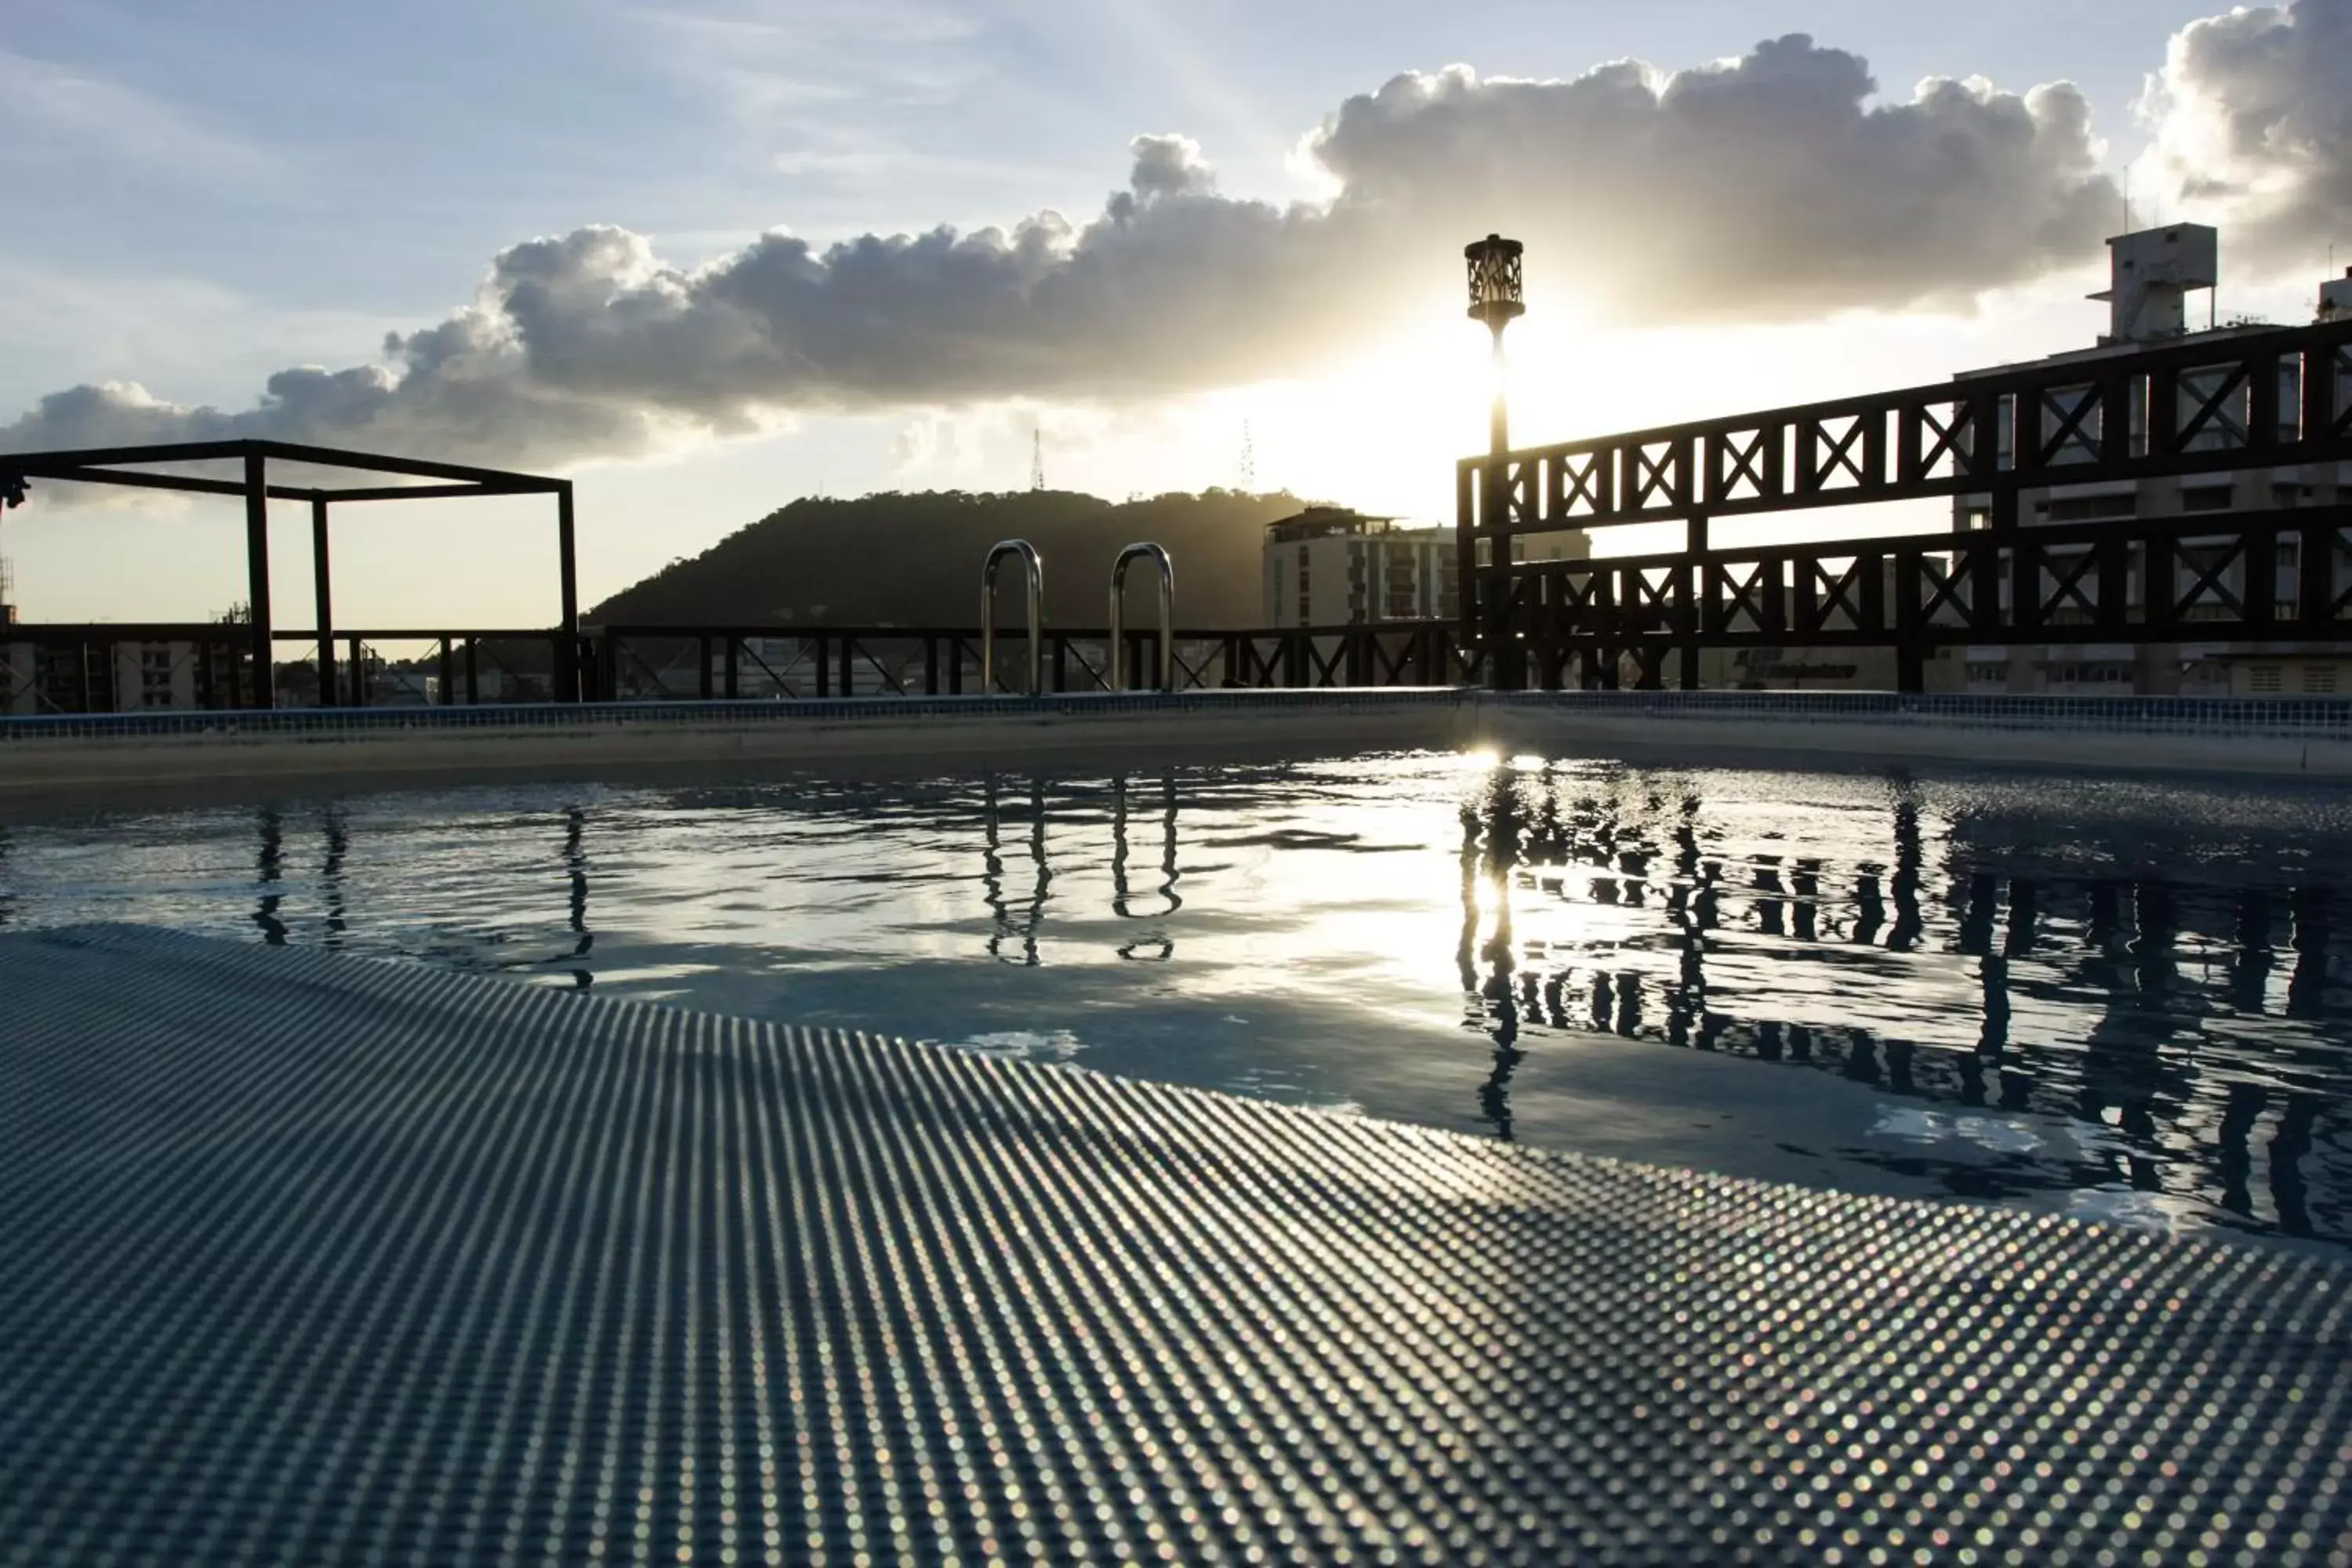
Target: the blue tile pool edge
pixel 2325 719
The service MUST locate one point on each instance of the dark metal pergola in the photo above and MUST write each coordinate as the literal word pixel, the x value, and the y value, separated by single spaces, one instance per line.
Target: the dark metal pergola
pixel 136 467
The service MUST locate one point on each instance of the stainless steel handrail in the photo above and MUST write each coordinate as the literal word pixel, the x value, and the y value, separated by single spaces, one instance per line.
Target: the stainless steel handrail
pixel 1033 569
pixel 1159 557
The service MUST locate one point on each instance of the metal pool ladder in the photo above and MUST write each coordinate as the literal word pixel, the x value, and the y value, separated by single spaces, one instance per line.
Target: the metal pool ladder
pixel 1158 557
pixel 1033 570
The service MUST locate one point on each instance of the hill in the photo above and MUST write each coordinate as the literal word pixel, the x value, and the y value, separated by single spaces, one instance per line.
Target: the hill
pixel 915 560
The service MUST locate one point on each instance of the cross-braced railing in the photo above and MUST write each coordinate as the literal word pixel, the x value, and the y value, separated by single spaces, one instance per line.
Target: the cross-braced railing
pixel 2218 404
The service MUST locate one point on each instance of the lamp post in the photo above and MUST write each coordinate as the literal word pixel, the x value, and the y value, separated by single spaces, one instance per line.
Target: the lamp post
pixel 1498 298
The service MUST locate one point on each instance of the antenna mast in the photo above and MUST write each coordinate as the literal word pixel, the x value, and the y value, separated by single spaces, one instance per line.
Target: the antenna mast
pixel 1036 457
pixel 1249 461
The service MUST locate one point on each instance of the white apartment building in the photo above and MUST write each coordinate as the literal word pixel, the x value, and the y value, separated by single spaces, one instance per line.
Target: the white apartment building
pixel 116 678
pixel 18 680
pixel 2154 272
pixel 1331 567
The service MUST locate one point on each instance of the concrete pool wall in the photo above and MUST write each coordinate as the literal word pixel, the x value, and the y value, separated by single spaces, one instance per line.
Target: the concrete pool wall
pixel 70 755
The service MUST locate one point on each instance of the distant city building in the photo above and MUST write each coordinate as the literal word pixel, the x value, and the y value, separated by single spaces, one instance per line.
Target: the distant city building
pixel 1331 567
pixel 2153 274
pixel 109 678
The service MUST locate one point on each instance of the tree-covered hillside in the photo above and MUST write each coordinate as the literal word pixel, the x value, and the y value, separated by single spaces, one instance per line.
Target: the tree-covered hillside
pixel 915 560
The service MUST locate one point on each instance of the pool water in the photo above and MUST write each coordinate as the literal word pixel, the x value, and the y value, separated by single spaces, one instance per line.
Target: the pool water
pixel 2127 1000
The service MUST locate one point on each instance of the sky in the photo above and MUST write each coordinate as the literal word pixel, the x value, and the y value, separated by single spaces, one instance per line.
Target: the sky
pixel 707 258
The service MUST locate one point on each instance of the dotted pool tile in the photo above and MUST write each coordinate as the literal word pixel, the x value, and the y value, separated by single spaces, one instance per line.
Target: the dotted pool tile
pixel 315 1260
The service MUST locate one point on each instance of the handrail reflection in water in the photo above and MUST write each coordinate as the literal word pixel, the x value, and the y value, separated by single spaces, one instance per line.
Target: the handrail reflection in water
pixel 1158 946
pixel 1022 927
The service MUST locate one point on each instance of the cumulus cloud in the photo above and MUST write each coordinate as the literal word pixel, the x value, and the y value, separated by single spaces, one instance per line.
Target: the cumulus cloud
pixel 2254 121
pixel 1759 187
pixel 1768 187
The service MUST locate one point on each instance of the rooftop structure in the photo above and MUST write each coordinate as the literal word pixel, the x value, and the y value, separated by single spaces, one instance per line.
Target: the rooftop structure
pixel 1333 522
pixel 2335 297
pixel 2154 272
pixel 319 477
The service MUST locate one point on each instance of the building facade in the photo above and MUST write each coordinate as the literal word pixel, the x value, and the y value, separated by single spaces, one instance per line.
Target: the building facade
pixel 2154 272
pixel 109 678
pixel 2153 275
pixel 1331 567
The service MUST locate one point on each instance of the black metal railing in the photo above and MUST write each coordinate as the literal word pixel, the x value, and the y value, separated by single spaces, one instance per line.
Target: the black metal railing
pixel 2255 577
pixel 109 668
pixel 2218 403
pixel 684 662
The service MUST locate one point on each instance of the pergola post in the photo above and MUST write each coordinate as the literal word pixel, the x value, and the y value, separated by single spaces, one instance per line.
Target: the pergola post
pixel 322 582
pixel 567 648
pixel 257 568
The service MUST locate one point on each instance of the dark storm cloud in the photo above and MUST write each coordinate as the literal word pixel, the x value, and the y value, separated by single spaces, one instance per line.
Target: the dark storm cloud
pixel 1765 188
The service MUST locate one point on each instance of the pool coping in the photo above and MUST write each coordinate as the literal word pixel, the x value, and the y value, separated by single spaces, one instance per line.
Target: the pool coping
pixel 61 755
pixel 2314 717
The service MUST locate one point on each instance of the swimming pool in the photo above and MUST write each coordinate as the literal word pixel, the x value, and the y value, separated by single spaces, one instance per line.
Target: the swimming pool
pixel 2120 999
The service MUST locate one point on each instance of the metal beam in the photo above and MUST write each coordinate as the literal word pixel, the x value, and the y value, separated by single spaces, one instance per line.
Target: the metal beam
pixel 432 492
pixel 257 569
pixel 567 652
pixel 66 634
pixel 167 452
pixel 322 587
pixel 46 464
pixel 432 633
pixel 2069 422
pixel 376 462
pixel 181 482
pixel 528 634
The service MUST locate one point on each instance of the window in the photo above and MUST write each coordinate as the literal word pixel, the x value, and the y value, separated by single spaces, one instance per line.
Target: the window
pixel 1985 673
pixel 2091 672
pixel 155 678
pixel 2207 498
pixel 2088 509
pixel 2265 678
pixel 2319 678
pixel 1306 615
pixel 1400 583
